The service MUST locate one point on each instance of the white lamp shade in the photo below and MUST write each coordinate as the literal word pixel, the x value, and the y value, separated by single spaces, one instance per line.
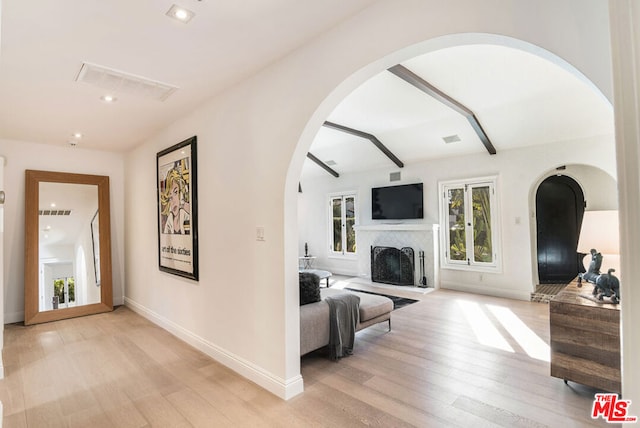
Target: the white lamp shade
pixel 600 231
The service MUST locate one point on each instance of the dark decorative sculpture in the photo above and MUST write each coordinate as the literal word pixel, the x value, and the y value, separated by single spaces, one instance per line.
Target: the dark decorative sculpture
pixel 605 285
pixel 594 268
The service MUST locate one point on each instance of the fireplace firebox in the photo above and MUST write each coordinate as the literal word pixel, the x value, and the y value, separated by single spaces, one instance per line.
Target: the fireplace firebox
pixel 391 265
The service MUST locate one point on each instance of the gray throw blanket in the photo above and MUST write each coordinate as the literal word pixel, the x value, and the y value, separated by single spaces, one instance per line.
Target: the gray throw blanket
pixel 344 314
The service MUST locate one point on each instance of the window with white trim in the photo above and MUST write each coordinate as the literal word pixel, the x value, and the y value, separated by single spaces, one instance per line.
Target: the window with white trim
pixel 342 234
pixel 470 224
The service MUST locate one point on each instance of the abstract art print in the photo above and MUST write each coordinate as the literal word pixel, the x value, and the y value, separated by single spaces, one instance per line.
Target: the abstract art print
pixel 177 209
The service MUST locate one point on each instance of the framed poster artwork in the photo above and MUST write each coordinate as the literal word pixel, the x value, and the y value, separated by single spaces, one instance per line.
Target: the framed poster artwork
pixel 178 209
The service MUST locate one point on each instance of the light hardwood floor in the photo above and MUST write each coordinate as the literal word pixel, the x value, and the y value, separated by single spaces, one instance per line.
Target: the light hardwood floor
pixel 119 370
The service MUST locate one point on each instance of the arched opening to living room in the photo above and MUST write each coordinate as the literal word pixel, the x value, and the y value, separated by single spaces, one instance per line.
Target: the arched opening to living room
pixel 511 167
pixel 595 189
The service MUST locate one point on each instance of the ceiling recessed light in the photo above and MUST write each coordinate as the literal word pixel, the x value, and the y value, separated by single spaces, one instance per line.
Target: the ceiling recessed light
pixel 180 13
pixel 76 135
pixel 108 98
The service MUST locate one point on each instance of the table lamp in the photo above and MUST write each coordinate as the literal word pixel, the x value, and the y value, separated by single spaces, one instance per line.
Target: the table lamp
pixel 599 231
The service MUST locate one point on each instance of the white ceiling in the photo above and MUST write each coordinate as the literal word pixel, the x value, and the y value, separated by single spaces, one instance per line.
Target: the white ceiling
pixel 520 99
pixel 80 199
pixel 45 42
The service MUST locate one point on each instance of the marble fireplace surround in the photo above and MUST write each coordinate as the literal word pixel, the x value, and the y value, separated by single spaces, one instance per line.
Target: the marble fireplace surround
pixel 420 237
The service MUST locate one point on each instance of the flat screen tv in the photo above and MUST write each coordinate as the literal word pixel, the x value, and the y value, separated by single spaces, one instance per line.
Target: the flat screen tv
pixel 397 202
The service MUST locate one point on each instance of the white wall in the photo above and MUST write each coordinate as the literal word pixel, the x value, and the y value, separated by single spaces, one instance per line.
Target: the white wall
pixel 46 293
pixel 21 156
pixel 2 276
pixel 625 21
pixel 600 188
pixel 252 143
pixel 519 173
pixel 87 291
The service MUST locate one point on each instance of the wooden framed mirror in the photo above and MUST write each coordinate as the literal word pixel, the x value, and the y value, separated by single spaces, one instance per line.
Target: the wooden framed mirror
pixel 67 246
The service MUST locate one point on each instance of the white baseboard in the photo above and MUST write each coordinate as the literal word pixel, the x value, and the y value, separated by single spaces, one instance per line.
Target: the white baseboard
pixel 489 291
pixel 283 388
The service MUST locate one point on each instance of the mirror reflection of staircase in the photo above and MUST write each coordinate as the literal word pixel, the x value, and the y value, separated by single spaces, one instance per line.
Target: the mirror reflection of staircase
pixel 545 292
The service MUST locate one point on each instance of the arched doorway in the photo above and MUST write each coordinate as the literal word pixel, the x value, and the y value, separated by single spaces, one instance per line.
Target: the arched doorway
pixel 559 210
pixel 293 245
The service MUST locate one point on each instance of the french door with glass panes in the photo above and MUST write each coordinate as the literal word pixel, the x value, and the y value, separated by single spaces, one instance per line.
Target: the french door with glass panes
pixel 342 234
pixel 64 291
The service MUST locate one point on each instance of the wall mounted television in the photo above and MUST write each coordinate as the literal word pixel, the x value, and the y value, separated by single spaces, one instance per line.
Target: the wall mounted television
pixel 397 202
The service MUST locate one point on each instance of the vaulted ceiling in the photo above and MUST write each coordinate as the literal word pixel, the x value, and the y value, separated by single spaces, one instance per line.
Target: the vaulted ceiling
pixel 517 98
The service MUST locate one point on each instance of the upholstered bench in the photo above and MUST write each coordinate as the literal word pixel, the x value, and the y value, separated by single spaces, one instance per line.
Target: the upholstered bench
pixel 314 317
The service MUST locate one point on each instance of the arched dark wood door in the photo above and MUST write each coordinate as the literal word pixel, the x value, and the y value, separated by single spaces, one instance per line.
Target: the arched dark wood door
pixel 559 211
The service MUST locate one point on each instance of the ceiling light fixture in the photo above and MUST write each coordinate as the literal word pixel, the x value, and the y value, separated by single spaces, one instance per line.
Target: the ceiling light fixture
pixel 180 13
pixel 76 135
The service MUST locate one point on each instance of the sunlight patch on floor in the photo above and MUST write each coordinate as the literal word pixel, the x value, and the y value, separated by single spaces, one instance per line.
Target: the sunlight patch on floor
pixel 532 344
pixel 359 282
pixel 339 284
pixel 486 333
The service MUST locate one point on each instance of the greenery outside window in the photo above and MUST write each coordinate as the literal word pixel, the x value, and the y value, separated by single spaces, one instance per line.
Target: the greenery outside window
pixel 65 287
pixel 469 224
pixel 342 234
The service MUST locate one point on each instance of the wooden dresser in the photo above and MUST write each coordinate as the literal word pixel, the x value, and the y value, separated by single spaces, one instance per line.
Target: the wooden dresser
pixel 585 338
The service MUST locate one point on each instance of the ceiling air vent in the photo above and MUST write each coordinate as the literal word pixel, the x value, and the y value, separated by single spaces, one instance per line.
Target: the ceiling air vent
pixel 119 82
pixel 55 212
pixel 451 139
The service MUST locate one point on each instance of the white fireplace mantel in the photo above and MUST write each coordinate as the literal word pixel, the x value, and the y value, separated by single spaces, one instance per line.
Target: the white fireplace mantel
pixel 421 237
pixel 394 227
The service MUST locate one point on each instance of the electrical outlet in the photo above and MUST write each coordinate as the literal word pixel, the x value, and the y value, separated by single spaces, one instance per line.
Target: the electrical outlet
pixel 260 233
